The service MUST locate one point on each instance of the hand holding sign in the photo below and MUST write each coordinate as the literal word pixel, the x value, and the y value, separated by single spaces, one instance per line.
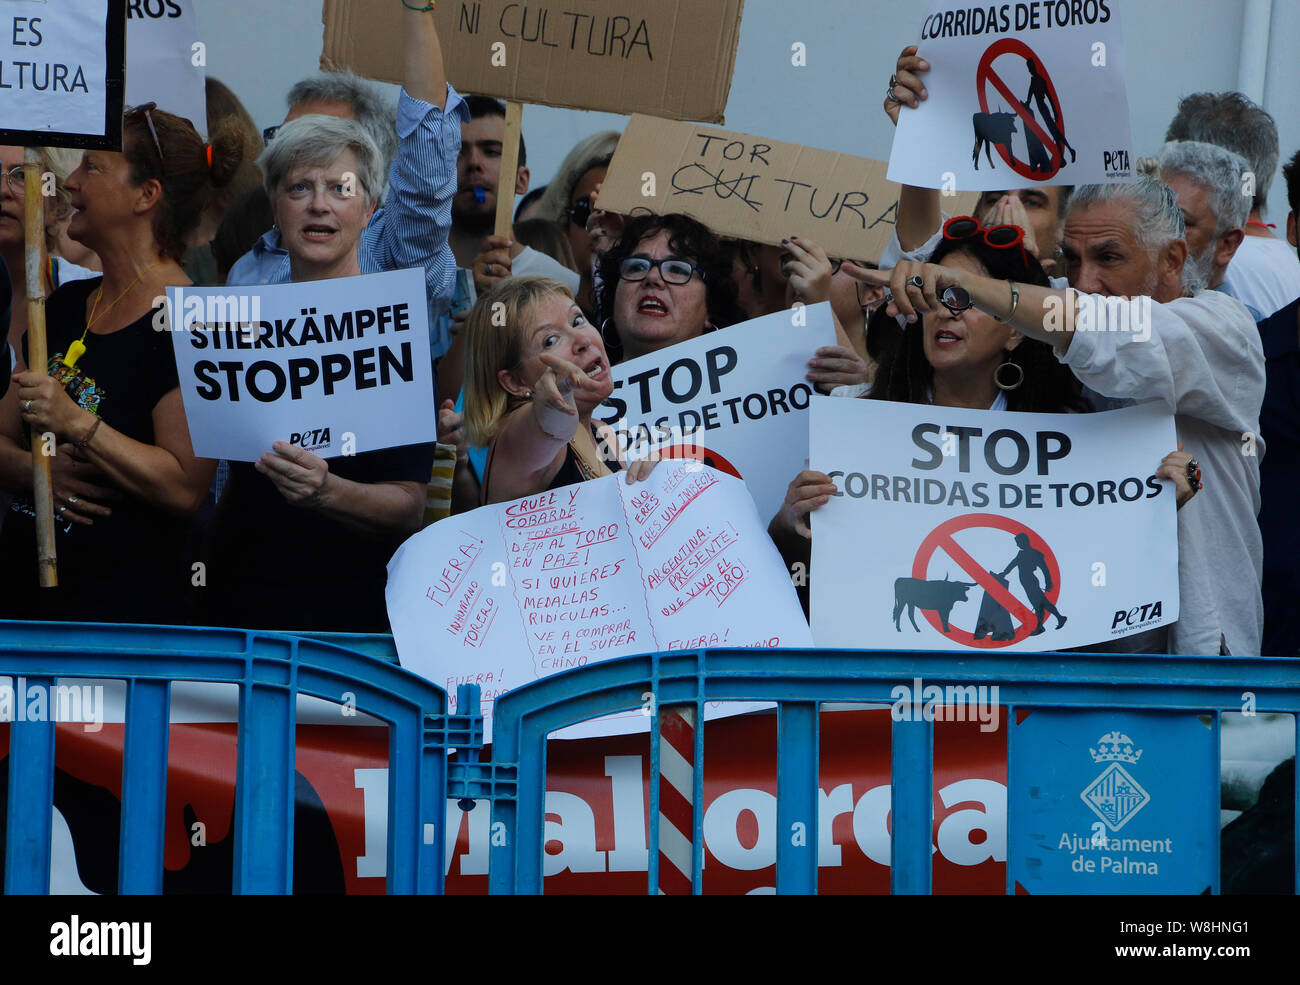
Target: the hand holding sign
pixel 907 86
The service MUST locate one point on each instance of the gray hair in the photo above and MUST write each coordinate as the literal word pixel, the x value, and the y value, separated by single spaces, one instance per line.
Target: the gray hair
pixel 318 139
pixel 375 115
pixel 592 152
pixel 1230 120
pixel 1157 218
pixel 1219 171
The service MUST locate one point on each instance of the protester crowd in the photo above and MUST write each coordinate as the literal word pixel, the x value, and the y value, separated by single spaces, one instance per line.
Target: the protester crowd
pixel 953 314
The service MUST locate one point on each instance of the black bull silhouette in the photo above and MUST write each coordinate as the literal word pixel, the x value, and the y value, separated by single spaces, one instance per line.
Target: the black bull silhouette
pixel 939 596
pixel 992 128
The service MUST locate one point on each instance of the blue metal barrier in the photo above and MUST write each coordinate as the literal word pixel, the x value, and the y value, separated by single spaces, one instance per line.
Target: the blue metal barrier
pixel 799 682
pixel 270 670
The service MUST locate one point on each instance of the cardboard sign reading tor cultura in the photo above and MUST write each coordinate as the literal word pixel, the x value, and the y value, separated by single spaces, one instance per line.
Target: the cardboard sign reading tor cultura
pixel 336 367
pixel 1020 95
pixel 960 529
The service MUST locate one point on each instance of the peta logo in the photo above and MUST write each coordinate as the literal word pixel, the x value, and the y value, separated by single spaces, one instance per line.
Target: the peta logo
pixel 1137 615
pixel 1116 161
pixel 318 438
pixel 96 939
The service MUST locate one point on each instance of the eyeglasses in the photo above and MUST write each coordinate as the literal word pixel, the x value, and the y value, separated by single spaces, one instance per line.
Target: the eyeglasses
pixel 672 270
pixel 269 133
pixel 998 237
pixel 580 211
pixel 146 110
pixel 16 177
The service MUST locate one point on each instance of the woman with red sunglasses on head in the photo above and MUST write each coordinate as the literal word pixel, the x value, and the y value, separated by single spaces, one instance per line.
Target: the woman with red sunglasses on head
pixel 125 476
pixel 958 355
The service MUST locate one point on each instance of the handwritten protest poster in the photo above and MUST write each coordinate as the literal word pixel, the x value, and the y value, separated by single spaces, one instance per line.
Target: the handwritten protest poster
pixel 337 367
pixel 165 59
pixel 668 59
pixel 513 592
pixel 1036 87
pixel 735 399
pixel 757 189
pixel 960 529
pixel 61 69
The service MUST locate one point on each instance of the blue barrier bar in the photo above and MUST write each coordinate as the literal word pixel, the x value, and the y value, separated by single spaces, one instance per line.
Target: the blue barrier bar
pixel 144 786
pixel 31 796
pixel 797 770
pixel 911 805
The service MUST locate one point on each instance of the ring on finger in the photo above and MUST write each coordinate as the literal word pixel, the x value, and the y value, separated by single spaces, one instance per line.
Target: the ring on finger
pixel 889 94
pixel 72 500
pixel 60 511
pixel 27 406
pixel 487 269
pixel 916 281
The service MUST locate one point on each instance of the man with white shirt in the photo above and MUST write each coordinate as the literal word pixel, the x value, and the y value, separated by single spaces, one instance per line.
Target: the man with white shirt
pixel 1197 353
pixel 1265 273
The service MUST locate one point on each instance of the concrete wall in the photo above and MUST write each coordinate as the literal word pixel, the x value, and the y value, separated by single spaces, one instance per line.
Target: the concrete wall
pixel 1173 47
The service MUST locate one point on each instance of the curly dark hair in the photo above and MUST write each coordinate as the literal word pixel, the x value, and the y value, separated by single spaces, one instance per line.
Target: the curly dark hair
pixel 905 375
pixel 690 240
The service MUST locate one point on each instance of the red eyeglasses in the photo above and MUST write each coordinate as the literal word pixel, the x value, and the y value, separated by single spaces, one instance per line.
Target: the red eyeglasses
pixel 998 237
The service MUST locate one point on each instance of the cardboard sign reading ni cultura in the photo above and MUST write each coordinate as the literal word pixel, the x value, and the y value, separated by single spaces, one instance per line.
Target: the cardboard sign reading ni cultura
pixel 757 189
pixel 667 59
pixel 61 73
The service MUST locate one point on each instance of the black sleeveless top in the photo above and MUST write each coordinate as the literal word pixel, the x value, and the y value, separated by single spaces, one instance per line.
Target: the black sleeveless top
pixel 570 471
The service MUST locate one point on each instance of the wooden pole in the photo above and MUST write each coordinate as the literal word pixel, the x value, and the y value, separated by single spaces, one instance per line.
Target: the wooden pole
pixel 505 224
pixel 38 362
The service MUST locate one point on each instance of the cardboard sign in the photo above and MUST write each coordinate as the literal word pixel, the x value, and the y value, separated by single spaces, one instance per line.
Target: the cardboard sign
pixel 667 59
pixel 1000 531
pixel 61 69
pixel 165 61
pixel 735 399
pixel 757 189
pixel 337 367
pixel 1037 85
pixel 1113 802
pixel 517 591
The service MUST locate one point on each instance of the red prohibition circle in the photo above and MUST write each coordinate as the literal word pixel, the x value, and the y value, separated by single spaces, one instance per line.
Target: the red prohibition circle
pixel 1013 46
pixel 942 534
pixel 702 454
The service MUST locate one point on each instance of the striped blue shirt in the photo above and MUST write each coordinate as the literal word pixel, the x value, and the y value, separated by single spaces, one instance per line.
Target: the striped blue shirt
pixel 411 229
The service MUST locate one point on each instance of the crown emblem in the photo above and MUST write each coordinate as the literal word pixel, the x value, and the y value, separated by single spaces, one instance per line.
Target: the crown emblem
pixel 1115 747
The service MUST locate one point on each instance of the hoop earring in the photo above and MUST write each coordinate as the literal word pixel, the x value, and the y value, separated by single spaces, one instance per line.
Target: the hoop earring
pixel 613 342
pixel 997 376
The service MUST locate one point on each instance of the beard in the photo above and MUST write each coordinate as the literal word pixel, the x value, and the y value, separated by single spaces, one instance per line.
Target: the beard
pixel 474 222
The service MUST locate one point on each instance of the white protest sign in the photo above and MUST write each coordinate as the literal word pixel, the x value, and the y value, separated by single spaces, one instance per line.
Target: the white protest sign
pixel 61 67
pixel 736 399
pixel 511 593
pixel 1037 85
pixel 987 524
pixel 165 59
pixel 338 367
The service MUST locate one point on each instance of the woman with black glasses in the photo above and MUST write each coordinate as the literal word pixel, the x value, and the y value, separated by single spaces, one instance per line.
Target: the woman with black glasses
pixel 665 281
pixel 125 476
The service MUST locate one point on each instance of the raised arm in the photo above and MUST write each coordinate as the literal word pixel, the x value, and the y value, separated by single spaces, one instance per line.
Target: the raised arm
pixel 423 74
pixel 918 217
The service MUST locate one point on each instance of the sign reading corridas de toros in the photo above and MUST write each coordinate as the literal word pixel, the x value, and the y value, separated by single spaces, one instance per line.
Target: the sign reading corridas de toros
pixel 62 73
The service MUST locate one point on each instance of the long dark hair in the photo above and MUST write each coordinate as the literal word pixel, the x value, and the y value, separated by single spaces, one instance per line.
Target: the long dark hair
pixel 905 375
pixel 687 238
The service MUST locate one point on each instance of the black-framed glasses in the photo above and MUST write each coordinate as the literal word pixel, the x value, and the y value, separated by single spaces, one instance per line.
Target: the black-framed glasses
pixel 146 110
pixel 580 211
pixel 269 133
pixel 16 178
pixel 671 269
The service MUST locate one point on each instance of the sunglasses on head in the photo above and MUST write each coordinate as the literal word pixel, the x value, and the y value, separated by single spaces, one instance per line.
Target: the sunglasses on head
pixel 998 237
pixel 580 211
pixel 146 110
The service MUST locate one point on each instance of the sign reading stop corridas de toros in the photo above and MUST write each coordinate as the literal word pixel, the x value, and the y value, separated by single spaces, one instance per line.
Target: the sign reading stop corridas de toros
pixel 62 68
pixel 963 529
